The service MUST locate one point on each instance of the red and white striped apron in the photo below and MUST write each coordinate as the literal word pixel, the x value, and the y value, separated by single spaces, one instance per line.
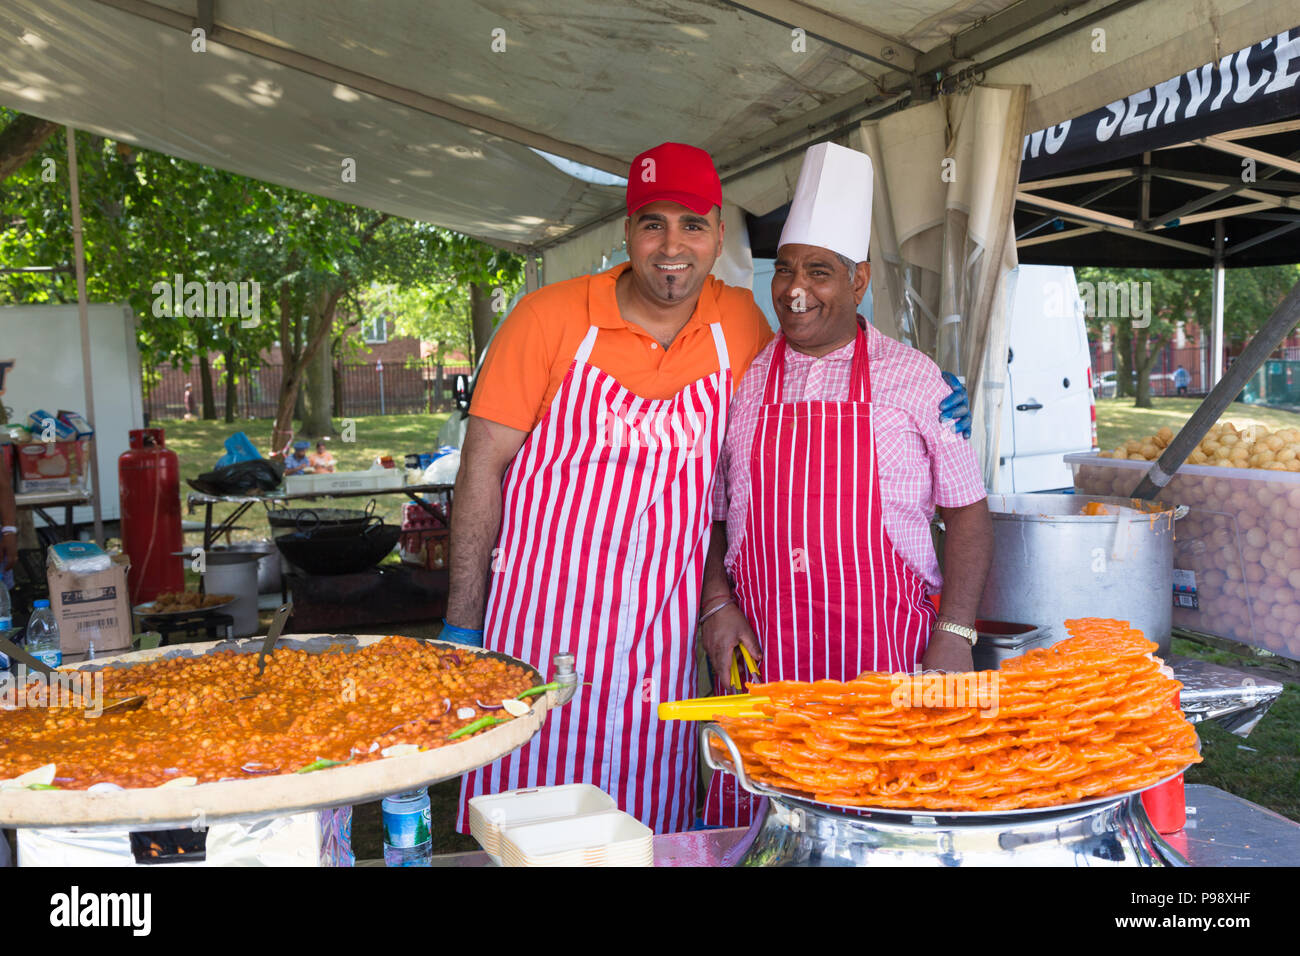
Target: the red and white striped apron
pixel 605 524
pixel 816 574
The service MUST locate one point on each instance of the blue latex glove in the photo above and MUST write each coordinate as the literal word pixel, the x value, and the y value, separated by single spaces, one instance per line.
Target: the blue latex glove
pixel 956 406
pixel 461 635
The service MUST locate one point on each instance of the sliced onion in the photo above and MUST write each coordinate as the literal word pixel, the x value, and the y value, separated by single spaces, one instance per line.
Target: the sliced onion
pixel 515 708
pixel 446 705
pixel 487 706
pixel 258 768
pixel 453 660
pixel 465 713
pixel 104 787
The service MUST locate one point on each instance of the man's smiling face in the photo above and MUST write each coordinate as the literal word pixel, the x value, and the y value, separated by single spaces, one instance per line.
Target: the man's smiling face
pixel 672 249
pixel 816 297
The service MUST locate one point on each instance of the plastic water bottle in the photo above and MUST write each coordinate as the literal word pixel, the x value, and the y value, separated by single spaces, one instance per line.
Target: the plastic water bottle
pixel 407 841
pixel 43 635
pixel 6 622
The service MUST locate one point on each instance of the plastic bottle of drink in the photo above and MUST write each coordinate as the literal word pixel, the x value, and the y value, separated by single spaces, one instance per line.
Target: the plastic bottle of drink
pixel 407 841
pixel 43 635
pixel 6 622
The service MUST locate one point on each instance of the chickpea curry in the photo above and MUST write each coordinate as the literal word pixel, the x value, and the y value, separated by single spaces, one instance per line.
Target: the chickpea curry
pixel 213 718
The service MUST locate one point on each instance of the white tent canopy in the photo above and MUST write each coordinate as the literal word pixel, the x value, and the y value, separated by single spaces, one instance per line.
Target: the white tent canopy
pixel 439 103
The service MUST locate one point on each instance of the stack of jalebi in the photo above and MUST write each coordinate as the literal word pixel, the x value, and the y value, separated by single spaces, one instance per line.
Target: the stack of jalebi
pixel 1091 716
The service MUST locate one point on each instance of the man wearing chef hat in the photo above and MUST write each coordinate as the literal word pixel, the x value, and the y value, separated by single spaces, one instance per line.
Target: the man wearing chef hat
pixel 583 510
pixel 821 562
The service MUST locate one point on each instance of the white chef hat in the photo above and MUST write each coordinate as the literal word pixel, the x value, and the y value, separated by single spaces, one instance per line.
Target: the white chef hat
pixel 832 202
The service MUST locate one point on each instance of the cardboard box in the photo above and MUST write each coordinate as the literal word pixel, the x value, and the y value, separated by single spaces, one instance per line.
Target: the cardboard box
pixel 77 422
pixel 92 606
pixel 56 466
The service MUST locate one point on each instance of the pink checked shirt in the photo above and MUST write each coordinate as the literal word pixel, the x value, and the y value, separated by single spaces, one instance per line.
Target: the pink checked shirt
pixel 923 463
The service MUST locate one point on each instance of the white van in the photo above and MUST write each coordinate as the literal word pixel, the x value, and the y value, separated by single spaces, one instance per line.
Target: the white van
pixel 1048 410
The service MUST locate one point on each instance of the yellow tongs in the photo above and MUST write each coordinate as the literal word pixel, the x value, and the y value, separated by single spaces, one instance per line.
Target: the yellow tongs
pixel 707 708
pixel 728 705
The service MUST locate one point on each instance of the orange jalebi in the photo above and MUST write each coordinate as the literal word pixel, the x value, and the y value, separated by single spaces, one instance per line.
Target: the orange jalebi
pixel 1091 716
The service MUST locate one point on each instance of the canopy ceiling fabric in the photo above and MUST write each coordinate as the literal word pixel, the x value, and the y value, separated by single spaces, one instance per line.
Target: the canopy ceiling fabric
pixel 941 244
pixel 439 123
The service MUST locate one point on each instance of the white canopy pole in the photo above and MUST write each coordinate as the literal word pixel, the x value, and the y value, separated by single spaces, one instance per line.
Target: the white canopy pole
pixel 84 313
pixel 1216 305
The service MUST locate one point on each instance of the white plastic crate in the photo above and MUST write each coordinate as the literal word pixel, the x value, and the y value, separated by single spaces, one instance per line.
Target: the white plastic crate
pixel 1236 554
pixel 323 484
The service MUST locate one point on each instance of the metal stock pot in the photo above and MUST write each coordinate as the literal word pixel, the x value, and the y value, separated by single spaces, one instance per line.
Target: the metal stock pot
pixel 1052 563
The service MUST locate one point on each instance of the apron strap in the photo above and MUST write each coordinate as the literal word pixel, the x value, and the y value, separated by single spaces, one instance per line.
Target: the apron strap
pixel 860 374
pixel 772 389
pixel 584 350
pixel 720 343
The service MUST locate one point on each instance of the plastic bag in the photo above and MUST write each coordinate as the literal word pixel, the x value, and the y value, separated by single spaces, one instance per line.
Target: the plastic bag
pixel 240 478
pixel 79 557
pixel 443 470
pixel 238 448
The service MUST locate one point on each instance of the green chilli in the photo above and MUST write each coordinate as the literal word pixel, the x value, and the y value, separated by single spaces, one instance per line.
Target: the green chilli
pixel 479 724
pixel 321 764
pixel 539 689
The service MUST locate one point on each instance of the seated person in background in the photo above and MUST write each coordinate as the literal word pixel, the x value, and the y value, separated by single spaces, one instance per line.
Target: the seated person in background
pixel 322 462
pixel 297 462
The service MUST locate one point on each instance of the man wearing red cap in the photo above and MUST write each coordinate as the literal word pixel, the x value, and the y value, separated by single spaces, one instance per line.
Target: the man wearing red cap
pixel 582 512
pixel 582 504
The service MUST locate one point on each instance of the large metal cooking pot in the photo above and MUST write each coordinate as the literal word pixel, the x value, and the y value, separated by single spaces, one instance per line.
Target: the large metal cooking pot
pixel 1051 563
pixel 308 520
pixel 339 550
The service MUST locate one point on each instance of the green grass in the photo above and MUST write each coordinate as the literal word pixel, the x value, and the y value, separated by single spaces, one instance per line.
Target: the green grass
pixel 199 444
pixel 1118 420
pixel 1265 767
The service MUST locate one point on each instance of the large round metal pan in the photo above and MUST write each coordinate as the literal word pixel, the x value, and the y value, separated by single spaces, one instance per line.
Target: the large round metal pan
pixel 939 817
pixel 277 794
pixel 146 610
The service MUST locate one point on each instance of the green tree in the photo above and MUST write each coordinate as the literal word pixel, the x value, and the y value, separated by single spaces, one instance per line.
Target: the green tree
pixel 1166 297
pixel 146 218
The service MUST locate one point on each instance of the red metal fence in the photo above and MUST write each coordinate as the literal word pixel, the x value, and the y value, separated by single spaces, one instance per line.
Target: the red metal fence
pixel 374 388
pixel 1195 359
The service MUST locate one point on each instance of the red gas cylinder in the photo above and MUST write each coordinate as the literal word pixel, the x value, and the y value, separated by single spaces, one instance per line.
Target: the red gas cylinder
pixel 148 476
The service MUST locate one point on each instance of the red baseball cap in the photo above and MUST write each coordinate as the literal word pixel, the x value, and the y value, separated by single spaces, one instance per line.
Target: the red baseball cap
pixel 675 172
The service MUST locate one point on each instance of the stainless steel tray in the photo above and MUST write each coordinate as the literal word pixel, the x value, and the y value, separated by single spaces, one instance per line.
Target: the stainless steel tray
pixel 936 817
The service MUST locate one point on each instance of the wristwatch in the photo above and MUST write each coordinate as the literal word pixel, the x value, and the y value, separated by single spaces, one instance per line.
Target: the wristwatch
pixel 8 529
pixel 969 634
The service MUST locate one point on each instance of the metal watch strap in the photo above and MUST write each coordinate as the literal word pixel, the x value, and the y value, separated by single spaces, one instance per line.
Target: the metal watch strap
pixel 968 634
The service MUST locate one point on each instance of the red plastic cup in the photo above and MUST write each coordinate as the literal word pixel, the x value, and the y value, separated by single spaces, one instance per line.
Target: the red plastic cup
pixel 1166 805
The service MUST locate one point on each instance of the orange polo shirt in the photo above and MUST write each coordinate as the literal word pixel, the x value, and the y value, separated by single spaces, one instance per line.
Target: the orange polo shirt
pixel 532 350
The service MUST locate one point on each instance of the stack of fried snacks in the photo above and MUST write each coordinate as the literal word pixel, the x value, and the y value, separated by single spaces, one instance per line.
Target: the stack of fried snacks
pixel 1091 716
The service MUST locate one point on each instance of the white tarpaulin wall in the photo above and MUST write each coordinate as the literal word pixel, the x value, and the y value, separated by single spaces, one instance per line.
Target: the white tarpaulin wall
pixel 941 239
